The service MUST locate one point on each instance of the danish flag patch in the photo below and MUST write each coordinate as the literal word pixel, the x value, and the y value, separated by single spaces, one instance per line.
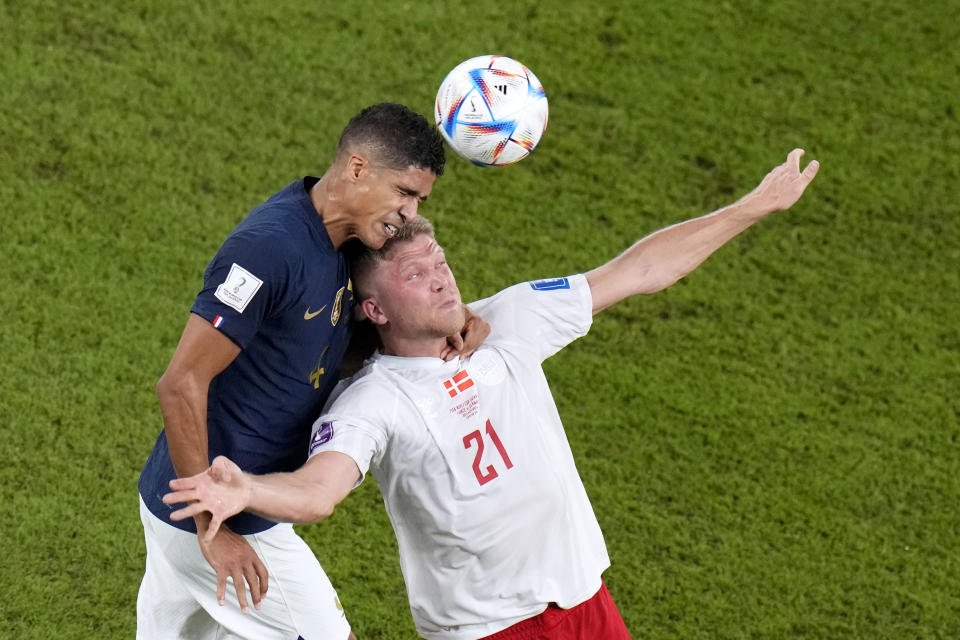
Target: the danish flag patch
pixel 458 383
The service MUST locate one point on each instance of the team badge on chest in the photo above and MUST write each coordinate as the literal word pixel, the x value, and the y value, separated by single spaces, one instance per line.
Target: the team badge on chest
pixel 337 307
pixel 458 383
pixel 462 389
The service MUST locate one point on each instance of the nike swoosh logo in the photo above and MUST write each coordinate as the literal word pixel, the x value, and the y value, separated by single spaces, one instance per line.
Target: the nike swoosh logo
pixel 310 316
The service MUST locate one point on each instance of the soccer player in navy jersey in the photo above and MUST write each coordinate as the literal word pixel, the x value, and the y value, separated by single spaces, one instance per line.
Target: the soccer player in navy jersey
pixel 258 357
pixel 496 534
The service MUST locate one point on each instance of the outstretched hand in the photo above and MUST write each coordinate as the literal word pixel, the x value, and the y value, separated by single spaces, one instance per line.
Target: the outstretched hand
pixel 222 490
pixel 784 185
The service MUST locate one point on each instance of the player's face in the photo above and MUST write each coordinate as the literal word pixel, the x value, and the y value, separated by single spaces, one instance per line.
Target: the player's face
pixel 384 199
pixel 418 292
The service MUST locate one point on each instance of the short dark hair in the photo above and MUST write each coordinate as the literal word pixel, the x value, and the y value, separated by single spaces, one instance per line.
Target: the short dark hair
pixel 364 260
pixel 396 136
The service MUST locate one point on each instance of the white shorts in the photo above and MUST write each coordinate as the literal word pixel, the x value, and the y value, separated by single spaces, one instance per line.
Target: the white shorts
pixel 178 595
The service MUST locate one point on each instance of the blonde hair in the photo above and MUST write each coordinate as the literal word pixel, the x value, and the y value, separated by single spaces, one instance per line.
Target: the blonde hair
pixel 364 260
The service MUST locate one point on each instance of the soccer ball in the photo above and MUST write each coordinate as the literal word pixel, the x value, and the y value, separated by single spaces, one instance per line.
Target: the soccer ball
pixel 492 110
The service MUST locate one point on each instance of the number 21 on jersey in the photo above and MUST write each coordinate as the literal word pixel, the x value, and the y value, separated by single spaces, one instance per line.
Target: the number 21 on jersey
pixel 476 438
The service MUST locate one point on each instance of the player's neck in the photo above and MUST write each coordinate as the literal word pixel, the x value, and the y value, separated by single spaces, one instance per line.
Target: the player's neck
pixel 323 195
pixel 412 348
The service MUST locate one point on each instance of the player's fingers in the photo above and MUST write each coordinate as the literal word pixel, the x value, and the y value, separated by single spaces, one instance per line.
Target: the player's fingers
pixel 219 469
pixel 182 484
pixel 187 512
pixel 466 353
pixel 221 587
pixel 454 345
pixel 240 587
pixel 793 159
pixel 810 172
pixel 253 582
pixel 262 575
pixel 213 528
pixel 181 495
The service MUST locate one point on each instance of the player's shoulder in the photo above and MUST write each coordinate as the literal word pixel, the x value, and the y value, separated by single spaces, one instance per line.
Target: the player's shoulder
pixel 367 387
pixel 279 232
pixel 527 293
pixel 283 214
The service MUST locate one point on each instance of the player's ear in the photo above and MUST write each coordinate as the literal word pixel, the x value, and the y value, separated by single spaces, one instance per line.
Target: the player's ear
pixel 355 166
pixel 373 311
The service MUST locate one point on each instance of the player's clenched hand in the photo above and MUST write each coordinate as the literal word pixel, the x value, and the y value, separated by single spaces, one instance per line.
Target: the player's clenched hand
pixel 231 555
pixel 784 185
pixel 222 490
pixel 475 331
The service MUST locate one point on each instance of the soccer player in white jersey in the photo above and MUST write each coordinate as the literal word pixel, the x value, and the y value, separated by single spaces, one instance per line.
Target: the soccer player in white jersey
pixel 497 537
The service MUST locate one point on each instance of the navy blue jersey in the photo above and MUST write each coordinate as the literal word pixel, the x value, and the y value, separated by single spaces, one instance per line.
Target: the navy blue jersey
pixel 280 291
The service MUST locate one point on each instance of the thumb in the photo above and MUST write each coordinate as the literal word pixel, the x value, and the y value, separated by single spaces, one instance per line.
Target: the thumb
pixel 810 172
pixel 220 469
pixel 213 528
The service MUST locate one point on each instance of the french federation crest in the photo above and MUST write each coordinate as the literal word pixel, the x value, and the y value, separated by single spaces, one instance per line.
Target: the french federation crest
pixel 337 307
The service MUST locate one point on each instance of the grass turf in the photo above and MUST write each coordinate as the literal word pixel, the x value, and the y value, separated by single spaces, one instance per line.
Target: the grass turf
pixel 770 445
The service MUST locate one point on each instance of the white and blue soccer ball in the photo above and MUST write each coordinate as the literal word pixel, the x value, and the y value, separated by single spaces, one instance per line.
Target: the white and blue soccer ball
pixel 492 110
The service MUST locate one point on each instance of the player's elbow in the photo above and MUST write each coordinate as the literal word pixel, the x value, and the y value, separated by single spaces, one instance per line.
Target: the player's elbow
pixel 319 510
pixel 166 388
pixel 178 393
pixel 172 387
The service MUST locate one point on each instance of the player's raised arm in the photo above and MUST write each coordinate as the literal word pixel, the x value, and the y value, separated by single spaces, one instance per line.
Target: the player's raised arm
pixel 664 257
pixel 308 494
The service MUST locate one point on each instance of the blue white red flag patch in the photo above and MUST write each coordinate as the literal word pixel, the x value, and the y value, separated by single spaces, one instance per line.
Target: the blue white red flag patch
pixel 217 322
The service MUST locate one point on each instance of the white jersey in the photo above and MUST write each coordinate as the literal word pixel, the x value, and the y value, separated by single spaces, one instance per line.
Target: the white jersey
pixel 490 514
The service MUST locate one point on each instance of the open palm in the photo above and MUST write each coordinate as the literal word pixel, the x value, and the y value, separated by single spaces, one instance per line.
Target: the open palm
pixel 222 490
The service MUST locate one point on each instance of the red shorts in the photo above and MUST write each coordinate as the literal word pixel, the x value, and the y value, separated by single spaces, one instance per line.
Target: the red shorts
pixel 591 620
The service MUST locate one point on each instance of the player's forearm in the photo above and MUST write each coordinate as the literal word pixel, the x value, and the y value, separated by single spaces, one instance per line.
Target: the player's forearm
pixel 661 259
pixel 666 256
pixel 288 497
pixel 184 408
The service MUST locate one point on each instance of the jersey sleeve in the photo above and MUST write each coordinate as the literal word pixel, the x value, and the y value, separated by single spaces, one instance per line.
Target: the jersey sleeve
pixel 541 316
pixel 356 423
pixel 246 282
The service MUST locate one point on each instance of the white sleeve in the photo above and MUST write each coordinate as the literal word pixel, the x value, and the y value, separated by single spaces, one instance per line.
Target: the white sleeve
pixel 354 424
pixel 541 316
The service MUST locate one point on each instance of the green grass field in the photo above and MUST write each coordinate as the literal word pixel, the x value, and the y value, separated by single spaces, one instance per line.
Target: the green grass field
pixel 771 446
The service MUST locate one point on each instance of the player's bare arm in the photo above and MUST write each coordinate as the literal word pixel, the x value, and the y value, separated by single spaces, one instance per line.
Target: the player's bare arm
pixel 201 354
pixel 308 494
pixel 664 257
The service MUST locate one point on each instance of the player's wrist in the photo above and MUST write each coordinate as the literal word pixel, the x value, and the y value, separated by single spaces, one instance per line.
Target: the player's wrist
pixel 752 207
pixel 253 492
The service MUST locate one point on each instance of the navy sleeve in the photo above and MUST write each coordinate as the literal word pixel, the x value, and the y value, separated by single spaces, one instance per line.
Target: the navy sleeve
pixel 246 282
